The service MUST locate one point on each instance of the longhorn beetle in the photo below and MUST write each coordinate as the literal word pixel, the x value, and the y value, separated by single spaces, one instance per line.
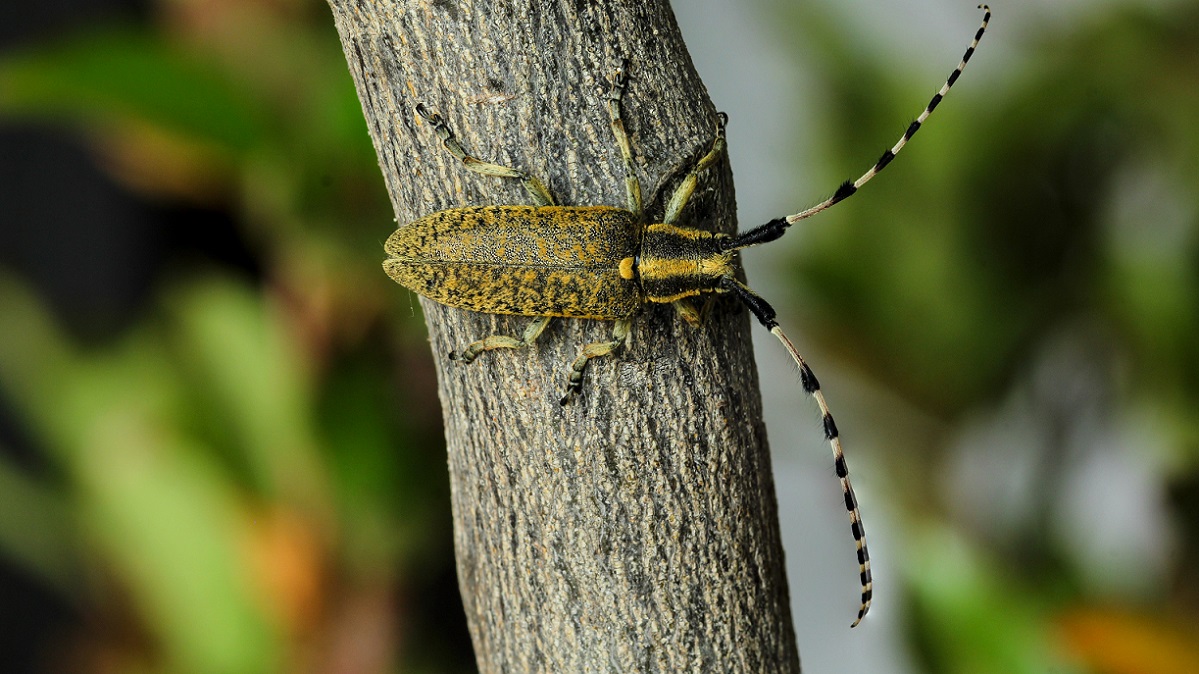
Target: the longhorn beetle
pixel 605 263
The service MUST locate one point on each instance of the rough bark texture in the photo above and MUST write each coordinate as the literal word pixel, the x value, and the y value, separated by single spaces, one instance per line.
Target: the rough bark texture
pixel 636 528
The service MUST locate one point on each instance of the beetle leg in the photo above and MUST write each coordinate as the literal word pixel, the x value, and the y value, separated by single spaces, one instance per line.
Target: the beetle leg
pixel 472 350
pixel 682 193
pixel 633 186
pixel 694 317
pixel 620 334
pixel 686 311
pixel 536 189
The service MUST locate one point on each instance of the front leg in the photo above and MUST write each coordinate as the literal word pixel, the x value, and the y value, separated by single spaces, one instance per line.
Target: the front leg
pixel 692 316
pixel 682 193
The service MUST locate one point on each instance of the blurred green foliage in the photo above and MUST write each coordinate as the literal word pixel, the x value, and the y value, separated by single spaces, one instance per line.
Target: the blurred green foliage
pixel 118 75
pixel 1034 266
pixel 244 480
pixel 251 478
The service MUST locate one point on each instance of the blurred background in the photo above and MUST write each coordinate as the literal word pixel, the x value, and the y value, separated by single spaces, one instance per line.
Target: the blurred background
pixel 220 443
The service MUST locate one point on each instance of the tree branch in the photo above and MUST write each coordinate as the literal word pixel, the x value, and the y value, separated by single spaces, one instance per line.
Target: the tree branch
pixel 636 528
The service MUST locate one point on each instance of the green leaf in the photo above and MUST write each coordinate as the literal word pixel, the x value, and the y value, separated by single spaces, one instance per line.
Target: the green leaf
pixel 125 76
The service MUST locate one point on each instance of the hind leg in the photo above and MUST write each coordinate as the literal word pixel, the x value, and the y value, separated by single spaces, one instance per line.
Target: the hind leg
pixel 531 333
pixel 632 185
pixel 536 189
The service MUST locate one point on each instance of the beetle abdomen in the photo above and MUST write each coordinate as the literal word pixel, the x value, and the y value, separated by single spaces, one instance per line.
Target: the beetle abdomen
pixel 523 260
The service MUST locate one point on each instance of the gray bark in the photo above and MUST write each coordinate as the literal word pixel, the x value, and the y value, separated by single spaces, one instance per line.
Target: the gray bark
pixel 636 528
